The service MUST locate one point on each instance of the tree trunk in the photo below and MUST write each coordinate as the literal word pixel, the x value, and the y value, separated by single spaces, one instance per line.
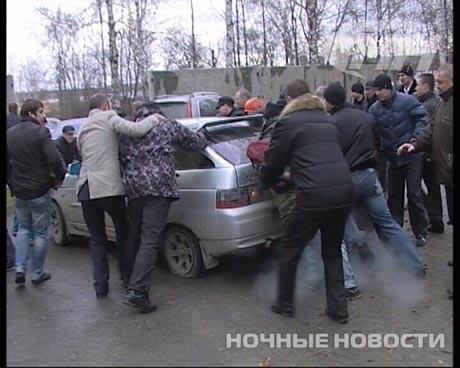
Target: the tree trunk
pixel 244 34
pixel 101 22
pixel 230 34
pixel 194 63
pixel 264 32
pixel 113 55
pixel 238 43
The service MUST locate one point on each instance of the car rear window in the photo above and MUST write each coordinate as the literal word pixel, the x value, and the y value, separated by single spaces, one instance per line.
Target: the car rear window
pixel 174 110
pixel 230 140
pixel 208 107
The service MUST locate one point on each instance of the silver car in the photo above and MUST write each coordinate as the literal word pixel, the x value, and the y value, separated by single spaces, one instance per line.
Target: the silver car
pixel 222 209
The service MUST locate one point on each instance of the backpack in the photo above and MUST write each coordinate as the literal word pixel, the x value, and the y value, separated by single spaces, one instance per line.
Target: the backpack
pixel 256 151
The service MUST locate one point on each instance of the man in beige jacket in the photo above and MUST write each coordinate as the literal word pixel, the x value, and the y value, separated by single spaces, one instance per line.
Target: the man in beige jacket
pixel 100 187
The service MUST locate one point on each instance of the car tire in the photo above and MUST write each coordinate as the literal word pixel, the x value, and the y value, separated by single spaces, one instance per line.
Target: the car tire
pixel 182 252
pixel 57 225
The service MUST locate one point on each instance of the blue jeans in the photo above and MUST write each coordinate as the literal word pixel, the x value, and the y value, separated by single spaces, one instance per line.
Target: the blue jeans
pixel 312 255
pixel 10 251
pixel 16 226
pixel 39 209
pixel 368 192
pixel 349 280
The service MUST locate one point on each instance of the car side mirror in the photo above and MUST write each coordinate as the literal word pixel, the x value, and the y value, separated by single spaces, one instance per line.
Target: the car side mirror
pixel 74 168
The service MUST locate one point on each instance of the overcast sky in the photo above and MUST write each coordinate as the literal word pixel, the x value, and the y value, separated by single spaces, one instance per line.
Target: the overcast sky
pixel 25 34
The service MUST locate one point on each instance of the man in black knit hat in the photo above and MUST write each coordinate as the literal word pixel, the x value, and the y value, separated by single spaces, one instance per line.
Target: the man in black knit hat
pixel 406 78
pixel 357 93
pixel 399 119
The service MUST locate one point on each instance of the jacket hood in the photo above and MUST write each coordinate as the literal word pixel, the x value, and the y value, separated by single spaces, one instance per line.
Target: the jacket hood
pixel 304 102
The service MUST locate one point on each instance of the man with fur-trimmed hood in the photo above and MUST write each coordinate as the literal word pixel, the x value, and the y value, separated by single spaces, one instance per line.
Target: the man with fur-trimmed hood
pixel 307 140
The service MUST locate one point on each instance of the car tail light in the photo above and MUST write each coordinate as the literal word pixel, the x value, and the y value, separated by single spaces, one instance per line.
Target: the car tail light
pixel 189 109
pixel 234 198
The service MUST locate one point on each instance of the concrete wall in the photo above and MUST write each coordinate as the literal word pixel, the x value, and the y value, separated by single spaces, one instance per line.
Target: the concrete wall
pixel 267 82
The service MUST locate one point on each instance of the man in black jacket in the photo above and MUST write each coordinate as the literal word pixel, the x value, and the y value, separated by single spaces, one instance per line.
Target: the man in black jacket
pixel 356 131
pixel 13 118
pixel 226 107
pixel 406 78
pixel 34 166
pixel 306 139
pixel 432 197
pixel 67 145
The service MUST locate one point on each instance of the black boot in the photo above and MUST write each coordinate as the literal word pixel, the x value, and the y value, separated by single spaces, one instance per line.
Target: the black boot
pixel 140 301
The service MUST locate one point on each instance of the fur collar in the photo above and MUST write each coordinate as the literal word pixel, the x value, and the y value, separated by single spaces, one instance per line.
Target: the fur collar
pixel 304 102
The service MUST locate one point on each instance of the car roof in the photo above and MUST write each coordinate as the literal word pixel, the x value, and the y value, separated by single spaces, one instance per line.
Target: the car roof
pixel 196 124
pixel 183 98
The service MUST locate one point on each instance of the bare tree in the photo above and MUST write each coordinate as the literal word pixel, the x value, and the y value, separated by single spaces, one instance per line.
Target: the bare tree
pixel 229 47
pixel 177 50
pixel 114 56
pixel 311 21
pixel 340 17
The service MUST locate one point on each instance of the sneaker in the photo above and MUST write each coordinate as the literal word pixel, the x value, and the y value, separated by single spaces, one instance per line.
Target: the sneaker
pixel 420 241
pixel 139 301
pixel 44 277
pixel 437 228
pixel 353 293
pixel 20 279
pixel 284 310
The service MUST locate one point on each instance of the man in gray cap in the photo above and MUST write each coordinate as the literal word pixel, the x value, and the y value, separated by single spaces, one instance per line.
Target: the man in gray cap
pixel 399 119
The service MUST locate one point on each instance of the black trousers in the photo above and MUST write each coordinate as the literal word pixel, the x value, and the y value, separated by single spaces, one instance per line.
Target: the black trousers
pixel 432 199
pixel 147 220
pixel 300 229
pixel 94 213
pixel 410 176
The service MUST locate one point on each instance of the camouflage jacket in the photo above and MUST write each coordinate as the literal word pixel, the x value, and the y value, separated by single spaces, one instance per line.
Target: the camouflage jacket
pixel 148 162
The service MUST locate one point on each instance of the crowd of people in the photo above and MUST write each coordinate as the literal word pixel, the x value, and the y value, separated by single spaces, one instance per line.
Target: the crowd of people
pixel 339 159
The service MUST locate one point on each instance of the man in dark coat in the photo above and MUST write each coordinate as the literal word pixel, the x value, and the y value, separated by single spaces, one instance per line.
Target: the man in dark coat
pixel 226 107
pixel 406 78
pixel 306 139
pixel 357 93
pixel 67 145
pixel 357 138
pixel 34 166
pixel 432 197
pixel 438 136
pixel 13 118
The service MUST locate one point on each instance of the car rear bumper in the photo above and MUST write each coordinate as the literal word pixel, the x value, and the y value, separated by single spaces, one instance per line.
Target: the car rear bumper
pixel 217 248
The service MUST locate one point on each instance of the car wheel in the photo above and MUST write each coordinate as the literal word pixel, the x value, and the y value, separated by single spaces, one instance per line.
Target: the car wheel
pixel 57 225
pixel 182 253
